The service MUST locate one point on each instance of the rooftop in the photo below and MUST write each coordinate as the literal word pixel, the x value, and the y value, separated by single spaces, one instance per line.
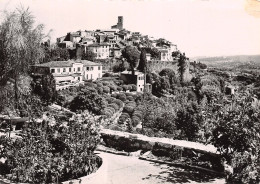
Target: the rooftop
pixel 130 72
pixel 68 63
pixel 98 44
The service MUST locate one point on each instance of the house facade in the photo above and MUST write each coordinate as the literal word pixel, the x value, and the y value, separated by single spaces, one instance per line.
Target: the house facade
pixel 70 71
pixel 137 79
pixel 101 50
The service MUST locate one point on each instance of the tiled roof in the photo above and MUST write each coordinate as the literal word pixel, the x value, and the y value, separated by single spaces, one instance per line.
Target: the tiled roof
pixel 56 64
pixel 90 63
pixel 98 44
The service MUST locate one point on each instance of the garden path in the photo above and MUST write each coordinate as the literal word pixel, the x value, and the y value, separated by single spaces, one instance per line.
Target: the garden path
pixel 118 169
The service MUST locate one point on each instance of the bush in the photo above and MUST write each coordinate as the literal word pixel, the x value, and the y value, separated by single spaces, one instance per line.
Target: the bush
pixel 138 113
pixel 114 95
pixel 119 103
pixel 110 100
pixel 135 121
pixel 108 75
pixel 106 89
pixel 129 109
pixel 106 83
pixel 123 118
pixel 121 97
pixel 112 88
pixel 114 106
pixel 130 98
pixel 119 88
pixel 126 87
pixel 90 84
pixel 100 90
pixel 133 87
pixel 99 84
pixel 42 159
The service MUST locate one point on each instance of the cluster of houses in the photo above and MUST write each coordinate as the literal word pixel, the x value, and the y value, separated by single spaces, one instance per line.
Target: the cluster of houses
pixel 105 43
pixel 108 43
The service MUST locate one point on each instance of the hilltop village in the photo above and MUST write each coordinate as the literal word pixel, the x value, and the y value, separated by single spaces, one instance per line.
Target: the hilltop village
pixel 122 92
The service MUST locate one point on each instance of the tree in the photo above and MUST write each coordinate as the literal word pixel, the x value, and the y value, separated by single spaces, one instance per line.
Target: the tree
pixel 132 55
pixel 189 120
pixel 88 99
pixel 170 74
pixel 20 46
pixel 60 54
pixel 143 61
pixel 88 55
pixel 182 67
pixel 236 135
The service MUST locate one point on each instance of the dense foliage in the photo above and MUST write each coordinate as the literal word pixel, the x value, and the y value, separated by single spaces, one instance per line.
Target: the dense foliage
pixel 54 150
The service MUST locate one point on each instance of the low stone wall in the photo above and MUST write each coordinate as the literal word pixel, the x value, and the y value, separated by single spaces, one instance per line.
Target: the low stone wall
pixel 175 149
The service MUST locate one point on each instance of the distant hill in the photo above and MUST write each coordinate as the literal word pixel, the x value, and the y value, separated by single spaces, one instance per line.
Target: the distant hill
pixel 237 58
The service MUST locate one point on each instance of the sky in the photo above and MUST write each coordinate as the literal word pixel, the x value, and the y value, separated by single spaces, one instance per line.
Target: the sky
pixel 197 27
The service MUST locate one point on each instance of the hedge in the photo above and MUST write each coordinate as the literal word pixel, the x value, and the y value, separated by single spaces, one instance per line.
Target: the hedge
pixel 100 90
pixel 129 109
pixel 135 121
pixel 123 118
pixel 130 98
pixel 121 97
pixel 106 89
pixel 119 103
pixel 114 106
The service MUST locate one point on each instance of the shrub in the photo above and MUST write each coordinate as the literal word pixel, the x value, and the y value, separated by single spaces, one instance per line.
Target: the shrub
pixel 105 83
pixel 135 121
pixel 42 159
pixel 138 113
pixel 106 89
pixel 99 84
pixel 114 106
pixel 114 95
pixel 119 103
pixel 119 88
pixel 90 84
pixel 121 97
pixel 133 87
pixel 129 109
pixel 123 118
pixel 108 75
pixel 112 88
pixel 100 90
pixel 125 87
pixel 110 100
pixel 130 98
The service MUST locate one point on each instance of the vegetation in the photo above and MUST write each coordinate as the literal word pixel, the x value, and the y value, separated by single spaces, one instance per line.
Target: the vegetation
pixel 52 151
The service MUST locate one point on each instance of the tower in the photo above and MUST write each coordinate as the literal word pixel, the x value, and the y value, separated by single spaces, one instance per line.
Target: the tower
pixel 120 22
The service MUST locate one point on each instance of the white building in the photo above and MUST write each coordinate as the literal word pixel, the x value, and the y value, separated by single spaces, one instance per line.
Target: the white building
pixel 100 49
pixel 70 71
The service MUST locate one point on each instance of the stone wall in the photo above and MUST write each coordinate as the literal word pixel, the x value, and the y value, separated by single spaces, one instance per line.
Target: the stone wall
pixel 175 149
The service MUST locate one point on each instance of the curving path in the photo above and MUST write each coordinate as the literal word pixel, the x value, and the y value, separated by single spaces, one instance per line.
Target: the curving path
pixel 119 169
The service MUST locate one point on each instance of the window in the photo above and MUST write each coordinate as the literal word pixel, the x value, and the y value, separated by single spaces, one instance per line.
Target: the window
pixel 58 70
pixel 87 68
pixel 79 78
pixel 69 69
pixel 52 70
pixel 64 69
pixel 91 76
pixel 74 69
pixel 99 68
pixel 87 76
pixel 91 68
pixel 78 69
